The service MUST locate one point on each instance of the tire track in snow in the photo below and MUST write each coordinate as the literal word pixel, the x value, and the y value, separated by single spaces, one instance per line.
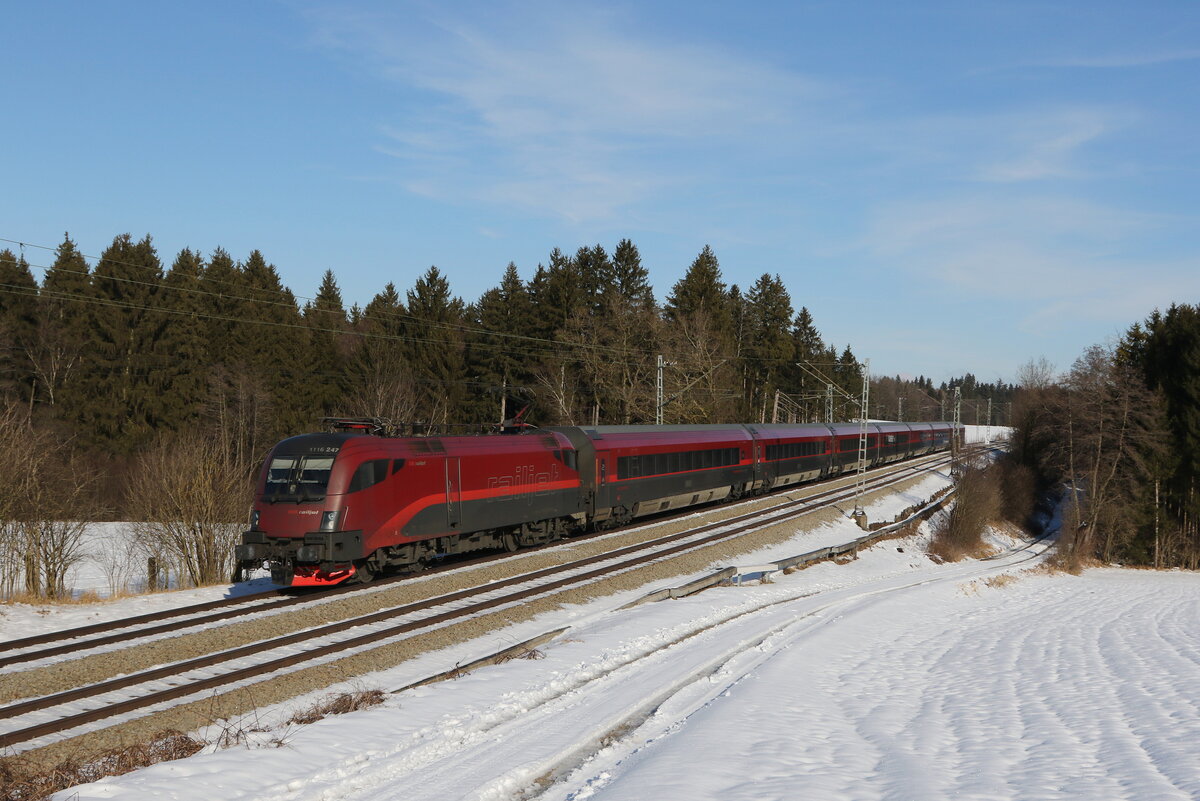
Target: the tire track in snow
pixel 1033 711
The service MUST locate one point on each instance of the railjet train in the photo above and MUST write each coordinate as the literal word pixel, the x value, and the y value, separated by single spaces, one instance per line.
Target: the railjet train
pixel 333 507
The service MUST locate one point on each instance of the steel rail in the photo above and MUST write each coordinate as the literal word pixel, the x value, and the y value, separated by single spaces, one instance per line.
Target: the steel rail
pixel 241 608
pixel 752 521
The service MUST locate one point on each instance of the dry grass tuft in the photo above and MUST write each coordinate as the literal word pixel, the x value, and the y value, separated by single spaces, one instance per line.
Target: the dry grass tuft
pixel 85 597
pixel 339 704
pixel 20 781
pixel 524 653
pixel 1002 580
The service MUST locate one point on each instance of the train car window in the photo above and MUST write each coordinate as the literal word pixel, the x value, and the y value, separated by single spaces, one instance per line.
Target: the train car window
pixel 279 471
pixel 654 464
pixel 304 477
pixel 627 467
pixel 314 471
pixel 397 464
pixel 369 474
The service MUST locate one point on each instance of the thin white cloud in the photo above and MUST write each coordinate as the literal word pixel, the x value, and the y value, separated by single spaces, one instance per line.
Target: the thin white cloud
pixel 1120 60
pixel 1066 261
pixel 1046 147
pixel 575 113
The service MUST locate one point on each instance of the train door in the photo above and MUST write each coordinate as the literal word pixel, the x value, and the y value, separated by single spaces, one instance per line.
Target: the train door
pixel 756 456
pixel 453 491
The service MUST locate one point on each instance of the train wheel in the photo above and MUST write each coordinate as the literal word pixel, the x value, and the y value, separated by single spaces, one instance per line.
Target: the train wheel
pixel 509 541
pixel 364 571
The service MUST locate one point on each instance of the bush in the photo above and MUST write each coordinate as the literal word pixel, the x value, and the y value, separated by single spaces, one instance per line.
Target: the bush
pixel 977 502
pixel 22 781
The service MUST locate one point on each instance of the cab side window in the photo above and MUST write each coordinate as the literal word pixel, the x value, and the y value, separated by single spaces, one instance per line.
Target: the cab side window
pixel 369 474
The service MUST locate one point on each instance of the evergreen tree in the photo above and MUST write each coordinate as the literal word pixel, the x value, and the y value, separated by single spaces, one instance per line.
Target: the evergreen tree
pixel 181 349
pixel 62 328
pixel 237 399
pixel 224 297
pixel 273 343
pixel 326 318
pixel 630 279
pixel 769 345
pixel 120 407
pixel 1172 367
pixel 380 376
pixel 558 295
pixel 848 376
pixel 18 327
pixel 701 345
pixel 435 338
pixel 807 348
pixel 595 272
pixel 702 292
pixel 807 344
pixel 498 354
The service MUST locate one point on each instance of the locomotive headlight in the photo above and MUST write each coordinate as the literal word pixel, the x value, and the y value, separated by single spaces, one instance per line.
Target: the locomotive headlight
pixel 329 520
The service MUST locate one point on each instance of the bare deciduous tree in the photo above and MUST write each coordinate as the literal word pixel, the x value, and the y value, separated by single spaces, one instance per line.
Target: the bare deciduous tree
pixel 1099 430
pixel 700 372
pixel 43 510
pixel 190 501
pixel 385 393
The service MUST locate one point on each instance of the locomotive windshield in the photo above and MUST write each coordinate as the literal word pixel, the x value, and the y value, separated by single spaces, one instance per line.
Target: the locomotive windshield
pixel 298 478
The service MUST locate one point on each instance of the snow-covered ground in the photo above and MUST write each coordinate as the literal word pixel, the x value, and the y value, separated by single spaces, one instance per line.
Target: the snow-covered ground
pixel 888 677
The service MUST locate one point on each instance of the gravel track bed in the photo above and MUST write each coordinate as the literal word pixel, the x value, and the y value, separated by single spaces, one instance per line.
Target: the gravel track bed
pixel 229 705
pixel 69 674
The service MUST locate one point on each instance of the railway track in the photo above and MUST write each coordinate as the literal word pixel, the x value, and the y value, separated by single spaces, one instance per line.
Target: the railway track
pixel 80 640
pixel 38 721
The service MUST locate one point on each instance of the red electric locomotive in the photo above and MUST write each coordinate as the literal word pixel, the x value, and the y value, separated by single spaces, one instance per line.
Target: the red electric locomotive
pixel 335 506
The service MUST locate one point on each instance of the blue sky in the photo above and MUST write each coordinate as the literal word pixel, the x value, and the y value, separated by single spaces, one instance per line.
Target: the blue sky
pixel 947 186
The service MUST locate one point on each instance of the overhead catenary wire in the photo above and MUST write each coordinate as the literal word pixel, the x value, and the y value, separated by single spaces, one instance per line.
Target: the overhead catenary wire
pixel 547 346
pixel 289 300
pixel 286 299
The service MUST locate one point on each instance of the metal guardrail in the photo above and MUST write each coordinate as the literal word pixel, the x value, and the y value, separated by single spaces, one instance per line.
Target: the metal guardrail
pixel 736 574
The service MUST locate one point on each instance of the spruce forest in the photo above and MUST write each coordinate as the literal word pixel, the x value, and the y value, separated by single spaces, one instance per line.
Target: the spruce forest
pixel 113 357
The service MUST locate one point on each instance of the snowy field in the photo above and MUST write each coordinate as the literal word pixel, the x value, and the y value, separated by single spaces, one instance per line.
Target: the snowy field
pixel 916 682
pixel 890 677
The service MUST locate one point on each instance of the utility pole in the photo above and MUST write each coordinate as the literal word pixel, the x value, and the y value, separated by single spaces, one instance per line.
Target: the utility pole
pixel 658 406
pixel 988 435
pixel 860 481
pixel 900 409
pixel 829 403
pixel 955 442
pixel 775 413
